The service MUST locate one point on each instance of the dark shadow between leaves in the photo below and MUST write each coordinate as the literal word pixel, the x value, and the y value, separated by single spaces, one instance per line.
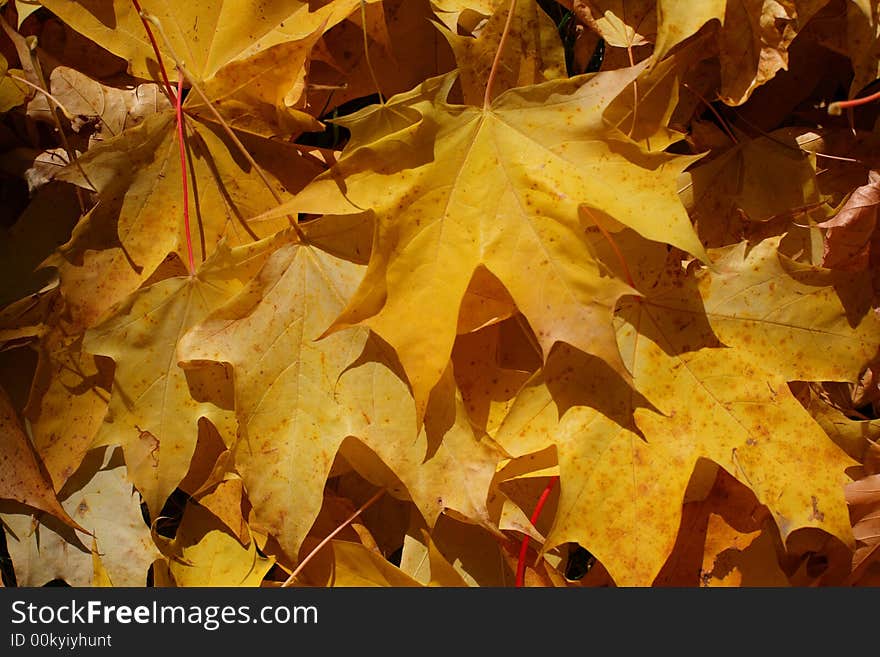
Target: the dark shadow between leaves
pixel 575 378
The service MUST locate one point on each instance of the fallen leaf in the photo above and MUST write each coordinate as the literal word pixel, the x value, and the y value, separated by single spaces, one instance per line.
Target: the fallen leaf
pixel 21 473
pixel 421 193
pixel 335 387
pixel 207 555
pixel 153 412
pixel 851 238
pixel 206 37
pixel 99 497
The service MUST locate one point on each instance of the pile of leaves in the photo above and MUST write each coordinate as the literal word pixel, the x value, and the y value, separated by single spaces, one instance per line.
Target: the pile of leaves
pixel 439 293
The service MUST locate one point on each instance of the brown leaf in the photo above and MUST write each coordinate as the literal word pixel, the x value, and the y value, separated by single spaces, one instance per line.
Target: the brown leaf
pixel 21 473
pixel 851 241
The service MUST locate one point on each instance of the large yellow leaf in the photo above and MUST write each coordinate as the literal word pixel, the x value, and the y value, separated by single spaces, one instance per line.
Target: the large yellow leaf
pixel 730 405
pixel 424 182
pixel 153 410
pixel 205 35
pixel 138 220
pixel 290 423
pixel 296 402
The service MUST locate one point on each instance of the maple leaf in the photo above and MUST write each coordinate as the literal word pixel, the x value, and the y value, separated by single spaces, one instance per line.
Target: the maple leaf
pixel 851 239
pixel 206 37
pixel 153 413
pixel 268 334
pixel 137 221
pixel 714 403
pixel 21 476
pixel 421 182
pixel 99 496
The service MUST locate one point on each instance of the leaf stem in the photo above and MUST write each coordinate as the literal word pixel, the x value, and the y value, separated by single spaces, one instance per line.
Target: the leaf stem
pixel 836 108
pixel 614 247
pixel 487 98
pixel 182 146
pixel 524 547
pixel 714 111
pixel 302 564
pixel 36 87
pixel 168 88
pixel 367 53
pixel 226 128
pixel 635 114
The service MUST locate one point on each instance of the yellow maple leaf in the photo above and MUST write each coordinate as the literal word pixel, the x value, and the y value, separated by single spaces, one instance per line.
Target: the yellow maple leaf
pixel 729 405
pixel 138 220
pixel 153 413
pixel 206 37
pixel 268 333
pixel 466 186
